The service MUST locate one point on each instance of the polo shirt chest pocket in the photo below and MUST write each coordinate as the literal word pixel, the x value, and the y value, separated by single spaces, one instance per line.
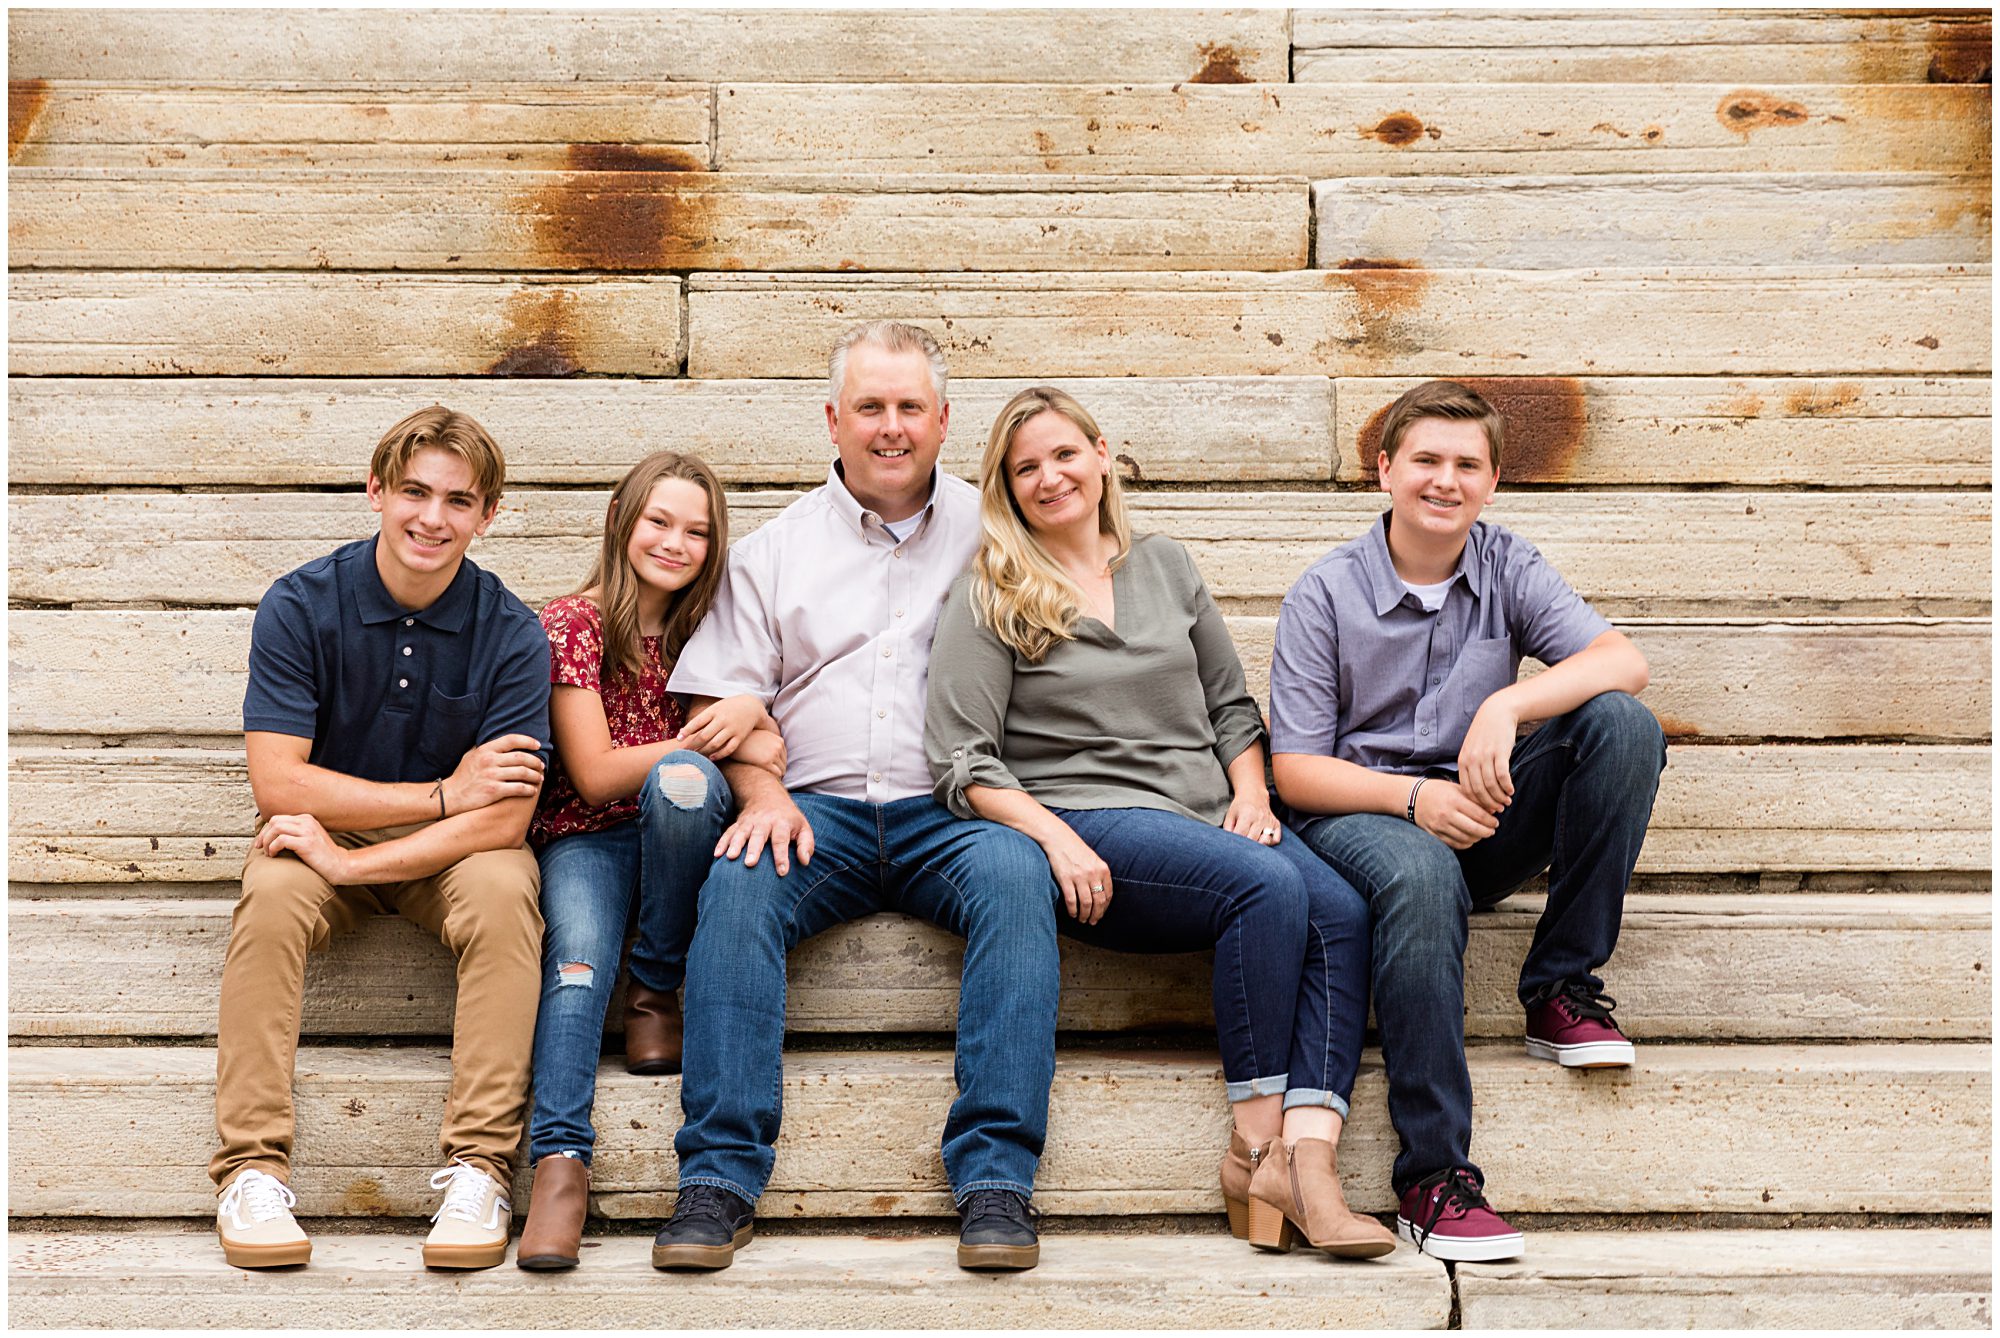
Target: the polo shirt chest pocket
pixel 449 729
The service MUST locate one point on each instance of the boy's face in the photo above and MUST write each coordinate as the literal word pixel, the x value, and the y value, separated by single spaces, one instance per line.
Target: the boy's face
pixel 430 516
pixel 1440 480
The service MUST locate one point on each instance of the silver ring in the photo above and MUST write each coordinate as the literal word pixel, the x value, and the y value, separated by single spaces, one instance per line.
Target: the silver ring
pixel 1097 887
pixel 1270 831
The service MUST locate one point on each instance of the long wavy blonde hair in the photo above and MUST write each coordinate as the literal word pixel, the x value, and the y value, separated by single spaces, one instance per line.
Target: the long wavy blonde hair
pixel 1018 590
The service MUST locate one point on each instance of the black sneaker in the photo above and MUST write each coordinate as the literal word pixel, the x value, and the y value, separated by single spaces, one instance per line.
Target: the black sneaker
pixel 997 1230
pixel 708 1227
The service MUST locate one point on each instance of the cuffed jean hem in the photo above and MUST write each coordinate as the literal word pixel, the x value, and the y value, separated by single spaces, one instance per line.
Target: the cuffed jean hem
pixel 958 1194
pixel 1249 1087
pixel 1307 1096
pixel 717 1182
pixel 535 1154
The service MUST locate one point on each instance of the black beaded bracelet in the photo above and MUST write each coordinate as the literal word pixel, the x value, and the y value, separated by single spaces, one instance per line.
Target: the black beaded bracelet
pixel 1411 811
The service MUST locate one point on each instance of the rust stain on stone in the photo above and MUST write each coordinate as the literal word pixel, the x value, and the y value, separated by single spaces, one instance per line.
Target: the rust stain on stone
pixel 1356 262
pixel 1928 341
pixel 1222 64
pixel 364 1198
pixel 1385 299
pixel 1132 468
pixel 1961 53
pixel 1396 129
pixel 1746 405
pixel 1810 402
pixel 1546 422
pixel 540 340
pixel 1676 728
pixel 630 158
pixel 25 100
pixel 621 207
pixel 1747 110
pixel 1652 134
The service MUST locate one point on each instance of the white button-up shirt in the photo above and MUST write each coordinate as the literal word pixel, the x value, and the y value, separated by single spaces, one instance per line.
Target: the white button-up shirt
pixel 828 619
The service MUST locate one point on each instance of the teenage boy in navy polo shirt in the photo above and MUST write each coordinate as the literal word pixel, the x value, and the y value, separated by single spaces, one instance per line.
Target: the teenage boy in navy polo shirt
pixel 393 723
pixel 1393 737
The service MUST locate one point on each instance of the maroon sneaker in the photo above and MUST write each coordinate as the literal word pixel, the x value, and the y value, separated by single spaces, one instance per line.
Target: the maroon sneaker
pixel 1572 1025
pixel 1445 1216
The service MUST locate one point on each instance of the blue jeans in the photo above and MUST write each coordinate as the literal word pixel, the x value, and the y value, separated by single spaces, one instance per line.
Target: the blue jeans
pixel 589 882
pixel 1290 938
pixel 1583 793
pixel 977 879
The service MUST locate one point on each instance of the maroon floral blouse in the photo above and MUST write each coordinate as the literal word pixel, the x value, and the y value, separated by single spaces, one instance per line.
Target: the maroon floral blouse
pixel 638 710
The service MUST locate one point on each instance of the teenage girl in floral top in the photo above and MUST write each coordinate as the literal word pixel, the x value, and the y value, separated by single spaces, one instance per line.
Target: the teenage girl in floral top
pixel 630 811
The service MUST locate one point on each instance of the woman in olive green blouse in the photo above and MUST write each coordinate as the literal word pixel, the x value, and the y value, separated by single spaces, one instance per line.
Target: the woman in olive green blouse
pixel 1084 691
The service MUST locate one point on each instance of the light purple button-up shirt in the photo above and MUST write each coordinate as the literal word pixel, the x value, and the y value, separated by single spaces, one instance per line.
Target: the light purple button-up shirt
pixel 1361 672
pixel 828 619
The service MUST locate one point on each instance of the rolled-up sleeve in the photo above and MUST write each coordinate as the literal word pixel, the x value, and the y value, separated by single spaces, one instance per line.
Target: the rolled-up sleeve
pixel 965 712
pixel 735 649
pixel 1305 672
pixel 1232 711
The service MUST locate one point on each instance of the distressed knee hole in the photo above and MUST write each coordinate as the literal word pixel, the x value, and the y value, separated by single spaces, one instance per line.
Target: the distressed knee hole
pixel 575 974
pixel 683 785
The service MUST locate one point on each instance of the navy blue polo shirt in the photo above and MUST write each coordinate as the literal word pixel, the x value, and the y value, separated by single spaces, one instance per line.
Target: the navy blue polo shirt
pixel 387 693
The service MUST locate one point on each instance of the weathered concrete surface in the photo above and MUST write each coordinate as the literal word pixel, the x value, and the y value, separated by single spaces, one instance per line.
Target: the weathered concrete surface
pixel 1371 322
pixel 1708 967
pixel 415 46
pixel 1778 1129
pixel 1656 218
pixel 1641 46
pixel 1633 554
pixel 1798 1279
pixel 277 432
pixel 340 325
pixel 635 218
pixel 1086 1280
pixel 161 673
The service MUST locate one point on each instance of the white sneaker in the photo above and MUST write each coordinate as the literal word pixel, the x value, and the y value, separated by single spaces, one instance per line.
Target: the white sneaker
pixel 255 1223
pixel 473 1224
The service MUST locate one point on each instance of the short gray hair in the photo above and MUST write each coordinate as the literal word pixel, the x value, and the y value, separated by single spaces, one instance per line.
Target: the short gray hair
pixel 894 336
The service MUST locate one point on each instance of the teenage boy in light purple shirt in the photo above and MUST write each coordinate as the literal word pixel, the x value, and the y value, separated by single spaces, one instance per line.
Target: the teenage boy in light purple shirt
pixel 1394 712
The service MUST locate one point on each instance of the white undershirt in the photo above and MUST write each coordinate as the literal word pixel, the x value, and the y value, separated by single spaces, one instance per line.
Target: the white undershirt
pixel 1430 596
pixel 903 529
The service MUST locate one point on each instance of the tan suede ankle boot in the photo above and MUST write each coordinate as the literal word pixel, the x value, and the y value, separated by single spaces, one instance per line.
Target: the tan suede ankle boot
pixel 1238 1165
pixel 1296 1192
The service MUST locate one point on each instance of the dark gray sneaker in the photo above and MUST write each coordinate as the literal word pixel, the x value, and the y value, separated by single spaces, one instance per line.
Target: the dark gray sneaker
pixel 708 1227
pixel 997 1230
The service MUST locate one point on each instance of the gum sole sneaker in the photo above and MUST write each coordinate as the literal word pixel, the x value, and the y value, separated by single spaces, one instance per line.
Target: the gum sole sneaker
pixel 1446 1216
pixel 997 1231
pixel 710 1224
pixel 1572 1027
pixel 706 1258
pixel 472 1226
pixel 255 1225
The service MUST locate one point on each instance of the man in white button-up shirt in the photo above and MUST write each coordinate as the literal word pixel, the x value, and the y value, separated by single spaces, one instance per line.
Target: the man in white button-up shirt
pixel 826 614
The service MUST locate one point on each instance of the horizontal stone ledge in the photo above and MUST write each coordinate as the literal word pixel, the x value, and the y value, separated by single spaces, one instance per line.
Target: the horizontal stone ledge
pixel 1872 554
pixel 1736 321
pixel 373 47
pixel 98 431
pixel 1908 1278
pixel 1655 218
pixel 121 674
pixel 1085 1280
pixel 425 218
pixel 1358 129
pixel 125 815
pixel 1761 1129
pixel 1641 46
pixel 1706 967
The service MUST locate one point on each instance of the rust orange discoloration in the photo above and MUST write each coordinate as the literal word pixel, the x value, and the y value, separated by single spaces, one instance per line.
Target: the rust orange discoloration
pixel 630 158
pixel 1546 422
pixel 364 1198
pixel 1746 405
pixel 1811 402
pixel 1747 110
pixel 1385 299
pixel 623 208
pixel 1221 64
pixel 540 338
pixel 25 100
pixel 1961 53
pixel 1676 728
pixel 1397 129
pixel 1357 262
pixel 1652 134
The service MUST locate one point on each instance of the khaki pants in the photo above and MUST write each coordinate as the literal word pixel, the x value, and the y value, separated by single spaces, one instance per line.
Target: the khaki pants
pixel 484 908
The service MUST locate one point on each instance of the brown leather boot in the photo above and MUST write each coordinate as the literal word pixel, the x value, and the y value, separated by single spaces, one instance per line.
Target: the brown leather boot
pixel 556 1208
pixel 652 1030
pixel 1238 1165
pixel 1296 1192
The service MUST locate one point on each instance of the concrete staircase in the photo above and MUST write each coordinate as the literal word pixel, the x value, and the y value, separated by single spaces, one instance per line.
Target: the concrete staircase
pixel 1727 272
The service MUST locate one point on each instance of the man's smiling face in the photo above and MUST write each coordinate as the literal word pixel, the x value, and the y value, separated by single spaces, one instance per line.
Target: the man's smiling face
pixel 888 427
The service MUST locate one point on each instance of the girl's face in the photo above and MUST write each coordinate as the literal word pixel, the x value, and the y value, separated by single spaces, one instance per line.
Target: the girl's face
pixel 669 542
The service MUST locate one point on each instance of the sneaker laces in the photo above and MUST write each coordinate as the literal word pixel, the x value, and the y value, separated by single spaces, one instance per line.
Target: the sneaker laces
pixel 1454 1188
pixel 704 1203
pixel 264 1196
pixel 465 1190
pixel 1580 999
pixel 1002 1203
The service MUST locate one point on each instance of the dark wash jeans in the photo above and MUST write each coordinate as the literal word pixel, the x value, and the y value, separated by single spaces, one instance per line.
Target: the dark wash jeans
pixel 1583 793
pixel 1290 936
pixel 980 880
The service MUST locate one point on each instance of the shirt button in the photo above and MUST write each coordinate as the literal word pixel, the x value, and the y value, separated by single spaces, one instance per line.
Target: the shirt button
pixel 899 613
pixel 887 652
pixel 402 682
pixel 409 622
pixel 898 555
pixel 875 776
pixel 1426 729
pixel 406 650
pixel 958 752
pixel 881 715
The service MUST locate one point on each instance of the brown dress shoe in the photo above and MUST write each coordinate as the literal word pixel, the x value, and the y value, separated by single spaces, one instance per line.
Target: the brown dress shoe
pixel 556 1208
pixel 1238 1165
pixel 652 1030
pixel 1296 1192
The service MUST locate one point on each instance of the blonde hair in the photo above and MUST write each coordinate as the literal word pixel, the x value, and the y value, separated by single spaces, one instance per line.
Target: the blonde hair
pixel 1017 588
pixel 618 585
pixel 443 429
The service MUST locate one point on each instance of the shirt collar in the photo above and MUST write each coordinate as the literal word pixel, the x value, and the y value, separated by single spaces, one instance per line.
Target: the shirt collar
pixel 858 517
pixel 1389 589
pixel 375 604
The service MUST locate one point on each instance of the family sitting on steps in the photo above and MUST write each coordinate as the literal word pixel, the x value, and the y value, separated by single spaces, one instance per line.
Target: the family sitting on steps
pixel 994 707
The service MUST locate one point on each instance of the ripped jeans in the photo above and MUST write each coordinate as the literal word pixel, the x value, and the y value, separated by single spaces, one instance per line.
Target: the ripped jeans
pixel 588 886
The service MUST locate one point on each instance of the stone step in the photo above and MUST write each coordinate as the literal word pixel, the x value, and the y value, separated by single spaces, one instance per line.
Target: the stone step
pixel 1910 1278
pixel 1899 1128
pixel 1085 1281
pixel 1716 967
